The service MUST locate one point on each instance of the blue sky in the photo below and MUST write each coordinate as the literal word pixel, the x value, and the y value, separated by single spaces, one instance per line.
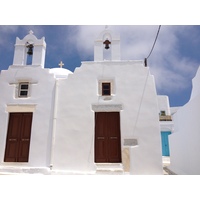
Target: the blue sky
pixel 173 62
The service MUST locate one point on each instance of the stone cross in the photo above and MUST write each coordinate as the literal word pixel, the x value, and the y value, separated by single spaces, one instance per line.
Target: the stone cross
pixel 61 64
pixel 30 32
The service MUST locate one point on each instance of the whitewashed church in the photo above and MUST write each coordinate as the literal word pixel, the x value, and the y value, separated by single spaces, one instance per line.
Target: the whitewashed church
pixel 100 119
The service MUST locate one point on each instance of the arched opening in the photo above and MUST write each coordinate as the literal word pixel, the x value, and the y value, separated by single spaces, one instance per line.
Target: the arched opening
pixel 29 53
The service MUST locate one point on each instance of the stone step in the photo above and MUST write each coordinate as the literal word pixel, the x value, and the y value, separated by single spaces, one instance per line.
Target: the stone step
pixel 23 170
pixel 109 168
pixel 109 172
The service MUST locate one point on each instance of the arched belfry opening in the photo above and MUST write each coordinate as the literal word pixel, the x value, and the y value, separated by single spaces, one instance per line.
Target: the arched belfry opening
pixel 107 46
pixel 29 51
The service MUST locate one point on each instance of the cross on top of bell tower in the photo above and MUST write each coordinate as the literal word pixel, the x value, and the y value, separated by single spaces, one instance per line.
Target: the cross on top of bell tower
pixel 30 32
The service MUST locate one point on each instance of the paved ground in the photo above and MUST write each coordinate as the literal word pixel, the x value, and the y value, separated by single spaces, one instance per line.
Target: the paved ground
pixel 166 171
pixel 166 163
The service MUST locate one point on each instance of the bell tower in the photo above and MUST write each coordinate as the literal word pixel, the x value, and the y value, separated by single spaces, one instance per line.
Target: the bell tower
pixel 29 51
pixel 107 41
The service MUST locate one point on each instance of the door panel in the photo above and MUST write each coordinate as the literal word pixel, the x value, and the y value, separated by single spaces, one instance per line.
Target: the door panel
pixel 114 152
pixel 23 151
pixel 100 138
pixel 25 138
pixel 13 133
pixel 11 151
pixel 107 137
pixel 101 151
pixel 14 126
pixel 165 143
pixel 26 125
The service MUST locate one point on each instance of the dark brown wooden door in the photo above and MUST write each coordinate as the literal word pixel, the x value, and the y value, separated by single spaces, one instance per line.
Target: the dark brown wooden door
pixel 18 137
pixel 107 137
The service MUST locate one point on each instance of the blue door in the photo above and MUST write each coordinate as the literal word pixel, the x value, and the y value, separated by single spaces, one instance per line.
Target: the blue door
pixel 165 143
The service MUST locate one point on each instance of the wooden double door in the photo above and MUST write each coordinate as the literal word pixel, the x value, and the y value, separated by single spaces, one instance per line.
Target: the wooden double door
pixel 107 137
pixel 18 137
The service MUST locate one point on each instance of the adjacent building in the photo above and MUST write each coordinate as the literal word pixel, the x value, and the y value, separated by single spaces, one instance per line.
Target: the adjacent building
pixel 166 123
pixel 184 142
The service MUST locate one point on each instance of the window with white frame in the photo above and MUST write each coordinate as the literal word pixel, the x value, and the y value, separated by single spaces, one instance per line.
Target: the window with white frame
pixel 106 87
pixel 23 89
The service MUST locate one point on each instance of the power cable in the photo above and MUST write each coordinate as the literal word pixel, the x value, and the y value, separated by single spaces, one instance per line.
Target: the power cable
pixel 145 60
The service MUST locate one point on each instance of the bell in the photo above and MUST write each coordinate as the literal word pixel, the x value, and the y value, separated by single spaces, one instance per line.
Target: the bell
pixel 107 42
pixel 107 46
pixel 30 49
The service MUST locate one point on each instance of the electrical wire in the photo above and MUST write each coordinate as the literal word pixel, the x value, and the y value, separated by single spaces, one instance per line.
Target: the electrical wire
pixel 145 60
pixel 154 41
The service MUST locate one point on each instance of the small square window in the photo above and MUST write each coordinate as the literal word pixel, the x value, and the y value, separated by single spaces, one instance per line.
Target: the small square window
pixel 162 113
pixel 106 89
pixel 23 89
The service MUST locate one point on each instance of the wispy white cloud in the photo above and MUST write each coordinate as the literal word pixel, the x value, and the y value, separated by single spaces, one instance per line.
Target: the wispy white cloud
pixel 171 62
pixel 5 32
pixel 172 69
pixel 9 33
pixel 82 38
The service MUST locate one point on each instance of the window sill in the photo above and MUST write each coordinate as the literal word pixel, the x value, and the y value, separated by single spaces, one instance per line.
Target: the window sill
pixel 106 97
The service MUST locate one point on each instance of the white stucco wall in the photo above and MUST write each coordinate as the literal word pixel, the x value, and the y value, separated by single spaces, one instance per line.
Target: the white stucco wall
pixel 40 101
pixel 184 142
pixel 134 91
pixel 173 110
pixel 195 84
pixel 163 104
